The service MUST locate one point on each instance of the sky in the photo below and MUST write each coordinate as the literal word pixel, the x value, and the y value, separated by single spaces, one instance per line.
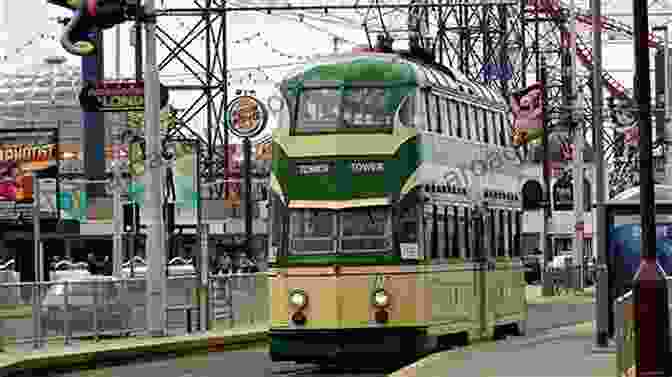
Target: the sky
pixel 23 21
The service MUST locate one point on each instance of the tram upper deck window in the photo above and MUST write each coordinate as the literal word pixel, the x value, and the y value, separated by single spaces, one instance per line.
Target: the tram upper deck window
pixel 312 231
pixel 367 108
pixel 366 230
pixel 319 110
pixel 332 109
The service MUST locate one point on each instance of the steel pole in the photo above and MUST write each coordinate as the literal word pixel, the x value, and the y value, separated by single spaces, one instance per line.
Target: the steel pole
pixel 117 210
pixel 547 284
pixel 600 221
pixel 247 151
pixel 577 126
pixel 154 183
pixel 39 264
pixel 652 335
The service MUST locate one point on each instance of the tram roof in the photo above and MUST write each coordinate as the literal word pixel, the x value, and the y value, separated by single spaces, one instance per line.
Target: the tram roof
pixel 406 71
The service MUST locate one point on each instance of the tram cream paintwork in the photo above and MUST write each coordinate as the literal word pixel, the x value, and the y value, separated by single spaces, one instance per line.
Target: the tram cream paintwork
pixel 443 298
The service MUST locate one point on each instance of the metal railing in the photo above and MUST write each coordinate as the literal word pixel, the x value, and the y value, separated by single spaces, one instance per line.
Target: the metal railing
pixel 105 306
pixel 567 278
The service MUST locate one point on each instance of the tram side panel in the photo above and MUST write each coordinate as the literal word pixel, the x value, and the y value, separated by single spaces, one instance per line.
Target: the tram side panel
pixel 455 308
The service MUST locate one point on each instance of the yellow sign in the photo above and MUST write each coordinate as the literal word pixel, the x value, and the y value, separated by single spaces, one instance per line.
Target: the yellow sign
pixel 264 152
pixel 247 113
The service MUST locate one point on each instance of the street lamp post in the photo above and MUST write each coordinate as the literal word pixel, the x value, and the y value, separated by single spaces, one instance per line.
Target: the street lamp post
pixel 652 335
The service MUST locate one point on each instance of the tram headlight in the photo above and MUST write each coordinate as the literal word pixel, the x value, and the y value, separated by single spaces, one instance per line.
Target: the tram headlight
pixel 381 299
pixel 298 299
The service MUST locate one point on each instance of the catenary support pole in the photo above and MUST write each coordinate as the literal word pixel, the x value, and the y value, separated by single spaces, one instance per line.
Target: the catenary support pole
pixel 247 153
pixel 652 334
pixel 39 263
pixel 154 183
pixel 117 210
pixel 599 224
pixel 547 284
pixel 577 125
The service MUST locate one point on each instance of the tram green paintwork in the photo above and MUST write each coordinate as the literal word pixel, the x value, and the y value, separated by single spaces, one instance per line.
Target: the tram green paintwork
pixel 455 296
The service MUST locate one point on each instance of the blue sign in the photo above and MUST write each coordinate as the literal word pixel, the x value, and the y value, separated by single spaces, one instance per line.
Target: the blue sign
pixel 492 72
pixel 625 245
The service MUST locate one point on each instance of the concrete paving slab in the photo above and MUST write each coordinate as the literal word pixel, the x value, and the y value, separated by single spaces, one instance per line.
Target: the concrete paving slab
pixel 563 352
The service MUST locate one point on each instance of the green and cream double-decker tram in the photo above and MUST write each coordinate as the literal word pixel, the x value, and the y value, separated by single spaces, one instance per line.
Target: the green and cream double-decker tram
pixel 396 211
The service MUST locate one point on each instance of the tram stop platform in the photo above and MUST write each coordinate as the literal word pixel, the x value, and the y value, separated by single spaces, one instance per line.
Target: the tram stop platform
pixel 55 355
pixel 562 352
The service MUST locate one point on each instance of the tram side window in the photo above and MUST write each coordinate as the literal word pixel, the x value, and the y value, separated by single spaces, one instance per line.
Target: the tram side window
pixel 455 118
pixel 436 100
pixel 466 121
pixel 439 232
pixel 502 234
pixel 488 234
pixel 474 124
pixel 483 125
pixel 492 124
pixel 501 124
pixel 429 118
pixel 276 228
pixel 445 117
pixel 429 225
pixel 510 234
pixel 407 112
pixel 448 224
pixel 517 251
pixel 466 239
pixel 408 224
pixel 494 229
pixel 507 129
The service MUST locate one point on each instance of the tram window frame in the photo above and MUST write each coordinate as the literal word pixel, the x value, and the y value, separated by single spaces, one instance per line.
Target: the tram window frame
pixel 509 222
pixel 437 108
pixel 435 233
pixel 467 233
pixel 502 235
pixel 456 251
pixel 333 237
pixel 500 130
pixel 507 128
pixel 446 233
pixel 486 126
pixel 519 234
pixel 428 116
pixel 409 215
pixel 476 127
pixel 455 117
pixel 467 120
pixel 492 115
pixel 444 114
pixel 386 236
pixel 492 247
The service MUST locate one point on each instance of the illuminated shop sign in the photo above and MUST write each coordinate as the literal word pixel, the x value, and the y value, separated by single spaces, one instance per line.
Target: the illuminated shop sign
pixel 117 96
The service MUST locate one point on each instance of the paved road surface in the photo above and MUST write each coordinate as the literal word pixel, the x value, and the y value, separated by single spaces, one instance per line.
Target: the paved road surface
pixel 255 363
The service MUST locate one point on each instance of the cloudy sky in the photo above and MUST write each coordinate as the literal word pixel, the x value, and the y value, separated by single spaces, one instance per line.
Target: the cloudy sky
pixel 29 28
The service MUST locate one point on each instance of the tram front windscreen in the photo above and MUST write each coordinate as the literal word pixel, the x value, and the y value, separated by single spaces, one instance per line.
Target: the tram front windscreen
pixel 625 244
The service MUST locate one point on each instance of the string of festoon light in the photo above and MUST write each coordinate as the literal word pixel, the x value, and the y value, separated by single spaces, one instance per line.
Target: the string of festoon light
pixel 28 43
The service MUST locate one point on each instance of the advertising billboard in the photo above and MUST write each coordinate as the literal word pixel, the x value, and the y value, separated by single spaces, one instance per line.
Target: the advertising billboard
pixel 183 177
pixel 625 243
pixel 23 152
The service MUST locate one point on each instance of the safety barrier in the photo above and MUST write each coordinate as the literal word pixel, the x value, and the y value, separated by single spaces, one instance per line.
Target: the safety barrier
pixel 624 320
pixel 567 278
pixel 104 306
